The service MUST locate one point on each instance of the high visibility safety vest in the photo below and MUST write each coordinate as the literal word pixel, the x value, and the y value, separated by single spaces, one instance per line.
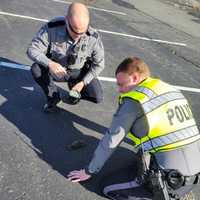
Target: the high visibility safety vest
pixel 170 120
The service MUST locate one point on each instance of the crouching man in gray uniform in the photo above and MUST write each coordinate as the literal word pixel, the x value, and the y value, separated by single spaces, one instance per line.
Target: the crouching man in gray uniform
pixel 68 49
pixel 157 118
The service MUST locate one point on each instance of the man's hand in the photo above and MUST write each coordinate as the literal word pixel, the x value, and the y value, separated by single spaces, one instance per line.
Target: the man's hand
pixel 78 175
pixel 57 70
pixel 79 86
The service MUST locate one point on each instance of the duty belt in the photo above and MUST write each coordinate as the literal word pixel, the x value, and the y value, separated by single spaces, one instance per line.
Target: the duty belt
pixel 176 180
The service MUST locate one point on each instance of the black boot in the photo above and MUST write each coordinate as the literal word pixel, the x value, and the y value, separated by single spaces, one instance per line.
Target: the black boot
pixel 50 106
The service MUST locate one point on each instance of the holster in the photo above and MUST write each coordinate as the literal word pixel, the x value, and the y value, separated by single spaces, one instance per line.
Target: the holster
pixel 143 164
pixel 162 183
pixel 152 179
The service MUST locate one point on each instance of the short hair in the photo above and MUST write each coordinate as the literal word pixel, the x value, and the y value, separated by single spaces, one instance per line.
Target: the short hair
pixel 133 64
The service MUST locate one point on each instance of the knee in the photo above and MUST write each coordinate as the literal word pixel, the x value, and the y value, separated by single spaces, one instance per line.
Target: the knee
pixel 95 98
pixel 99 94
pixel 98 99
pixel 36 71
pixel 104 191
pixel 109 193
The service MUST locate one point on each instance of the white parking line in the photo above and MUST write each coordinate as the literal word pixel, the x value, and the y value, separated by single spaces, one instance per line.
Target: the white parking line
pixel 188 89
pixel 143 38
pixel 23 16
pixel 100 30
pixel 26 67
pixel 14 65
pixel 108 79
pixel 94 8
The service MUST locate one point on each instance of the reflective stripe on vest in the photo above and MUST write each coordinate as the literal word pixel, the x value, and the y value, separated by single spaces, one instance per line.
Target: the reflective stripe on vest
pixel 163 142
pixel 162 99
pixel 170 120
pixel 148 92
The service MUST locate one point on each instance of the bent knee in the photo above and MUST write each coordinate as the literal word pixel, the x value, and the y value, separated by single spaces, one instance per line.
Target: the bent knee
pixel 36 71
pixel 98 100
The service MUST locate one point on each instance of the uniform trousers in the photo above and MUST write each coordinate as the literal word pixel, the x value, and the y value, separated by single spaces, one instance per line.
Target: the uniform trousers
pixel 92 92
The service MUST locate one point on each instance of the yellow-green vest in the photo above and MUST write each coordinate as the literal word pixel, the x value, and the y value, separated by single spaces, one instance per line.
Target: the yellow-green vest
pixel 170 120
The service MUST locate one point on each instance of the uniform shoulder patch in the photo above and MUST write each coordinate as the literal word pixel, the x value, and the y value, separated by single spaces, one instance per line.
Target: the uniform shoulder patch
pixel 95 34
pixel 56 23
pixel 92 32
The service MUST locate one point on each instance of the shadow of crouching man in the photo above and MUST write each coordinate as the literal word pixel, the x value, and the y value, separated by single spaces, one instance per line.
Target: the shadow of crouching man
pixel 49 135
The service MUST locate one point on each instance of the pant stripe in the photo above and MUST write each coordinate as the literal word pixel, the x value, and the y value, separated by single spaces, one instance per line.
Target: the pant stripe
pixel 120 186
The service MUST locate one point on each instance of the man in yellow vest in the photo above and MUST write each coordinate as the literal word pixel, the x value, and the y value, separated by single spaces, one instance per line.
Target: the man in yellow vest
pixel 158 119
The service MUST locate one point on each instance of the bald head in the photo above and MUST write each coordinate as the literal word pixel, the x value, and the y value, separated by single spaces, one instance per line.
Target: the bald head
pixel 78 17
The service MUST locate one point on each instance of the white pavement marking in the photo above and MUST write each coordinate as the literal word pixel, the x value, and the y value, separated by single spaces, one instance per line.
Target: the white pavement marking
pixel 14 65
pixel 188 89
pixel 28 88
pixel 108 79
pixel 100 30
pixel 143 38
pixel 23 16
pixel 94 8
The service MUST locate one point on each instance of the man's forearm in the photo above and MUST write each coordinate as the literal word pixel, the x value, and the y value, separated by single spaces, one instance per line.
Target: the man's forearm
pixel 106 147
pixel 101 155
pixel 121 124
pixel 38 47
pixel 94 72
pixel 38 57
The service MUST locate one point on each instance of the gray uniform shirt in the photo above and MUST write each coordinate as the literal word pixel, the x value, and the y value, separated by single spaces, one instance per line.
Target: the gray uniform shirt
pixel 129 116
pixel 122 122
pixel 54 39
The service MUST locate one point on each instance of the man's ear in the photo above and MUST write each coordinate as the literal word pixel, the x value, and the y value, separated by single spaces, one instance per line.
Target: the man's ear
pixel 135 78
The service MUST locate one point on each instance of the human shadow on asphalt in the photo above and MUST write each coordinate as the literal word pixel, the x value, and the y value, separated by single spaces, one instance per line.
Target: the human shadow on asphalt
pixel 49 134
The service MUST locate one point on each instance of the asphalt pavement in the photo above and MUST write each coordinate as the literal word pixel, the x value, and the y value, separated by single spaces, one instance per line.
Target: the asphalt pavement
pixel 34 158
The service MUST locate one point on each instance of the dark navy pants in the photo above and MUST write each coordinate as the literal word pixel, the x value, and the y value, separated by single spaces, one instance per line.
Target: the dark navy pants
pixel 92 92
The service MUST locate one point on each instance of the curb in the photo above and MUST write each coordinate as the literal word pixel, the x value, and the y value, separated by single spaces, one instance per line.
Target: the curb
pixel 191 4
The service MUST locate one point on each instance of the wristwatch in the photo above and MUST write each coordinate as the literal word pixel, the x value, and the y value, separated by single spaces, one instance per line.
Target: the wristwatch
pixel 89 171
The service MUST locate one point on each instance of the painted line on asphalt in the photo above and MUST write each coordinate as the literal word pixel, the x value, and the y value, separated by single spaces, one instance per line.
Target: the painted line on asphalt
pixel 187 88
pixel 100 30
pixel 23 16
pixel 14 65
pixel 94 8
pixel 143 38
pixel 108 79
